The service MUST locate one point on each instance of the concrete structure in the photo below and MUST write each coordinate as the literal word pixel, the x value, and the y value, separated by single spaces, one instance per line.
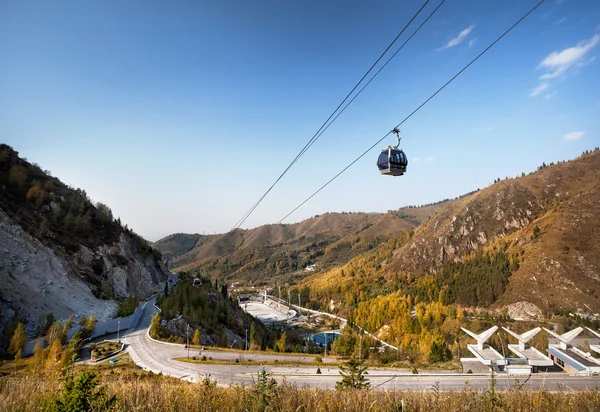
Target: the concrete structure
pixel 595 348
pixel 566 338
pixel 485 353
pixel 569 358
pixel 526 352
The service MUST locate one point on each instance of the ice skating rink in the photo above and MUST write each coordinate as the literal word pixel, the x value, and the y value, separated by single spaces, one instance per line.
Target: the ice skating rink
pixel 264 312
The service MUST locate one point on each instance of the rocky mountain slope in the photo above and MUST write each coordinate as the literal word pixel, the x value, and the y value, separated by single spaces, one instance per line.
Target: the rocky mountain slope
pixel 538 236
pixel 60 253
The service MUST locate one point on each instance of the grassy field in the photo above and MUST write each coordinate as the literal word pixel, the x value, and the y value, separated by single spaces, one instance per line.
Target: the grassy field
pixel 331 362
pixel 25 389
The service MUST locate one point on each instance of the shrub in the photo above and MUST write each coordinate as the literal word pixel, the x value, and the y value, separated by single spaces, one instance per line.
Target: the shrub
pixel 80 394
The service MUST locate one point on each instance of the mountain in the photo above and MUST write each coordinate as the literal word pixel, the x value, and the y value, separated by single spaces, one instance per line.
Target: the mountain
pixel 283 251
pixel 529 244
pixel 60 253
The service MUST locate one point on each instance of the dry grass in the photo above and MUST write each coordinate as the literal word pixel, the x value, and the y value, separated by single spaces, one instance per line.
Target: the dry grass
pixel 137 390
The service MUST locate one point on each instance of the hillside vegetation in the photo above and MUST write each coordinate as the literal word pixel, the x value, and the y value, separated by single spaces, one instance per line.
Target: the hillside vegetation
pixel 269 251
pixel 207 309
pixel 61 253
pixel 528 245
pixel 280 253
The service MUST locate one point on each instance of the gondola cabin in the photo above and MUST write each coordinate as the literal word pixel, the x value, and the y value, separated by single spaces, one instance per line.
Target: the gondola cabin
pixel 392 162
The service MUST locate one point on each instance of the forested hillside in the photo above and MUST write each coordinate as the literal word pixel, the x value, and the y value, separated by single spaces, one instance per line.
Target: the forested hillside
pixel 283 251
pixel 61 253
pixel 207 309
pixel 280 253
pixel 527 246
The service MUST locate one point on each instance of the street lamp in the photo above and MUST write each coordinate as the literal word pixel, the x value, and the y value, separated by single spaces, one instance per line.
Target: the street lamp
pixel 360 346
pixel 118 329
pixel 187 335
pixel 246 339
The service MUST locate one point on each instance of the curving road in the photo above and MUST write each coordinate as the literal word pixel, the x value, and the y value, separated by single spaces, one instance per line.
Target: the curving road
pixel 158 357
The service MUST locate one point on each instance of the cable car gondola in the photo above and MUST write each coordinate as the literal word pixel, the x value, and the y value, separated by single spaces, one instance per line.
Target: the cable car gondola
pixel 392 160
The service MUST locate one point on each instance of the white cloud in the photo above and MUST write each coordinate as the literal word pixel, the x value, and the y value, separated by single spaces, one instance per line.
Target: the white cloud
pixel 539 89
pixel 559 62
pixel 472 42
pixel 429 159
pixel 556 23
pixel 417 160
pixel 573 135
pixel 549 96
pixel 458 39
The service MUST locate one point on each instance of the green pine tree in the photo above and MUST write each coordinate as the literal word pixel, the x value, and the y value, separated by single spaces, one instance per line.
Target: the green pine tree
pixel 265 390
pixel 80 394
pixel 353 376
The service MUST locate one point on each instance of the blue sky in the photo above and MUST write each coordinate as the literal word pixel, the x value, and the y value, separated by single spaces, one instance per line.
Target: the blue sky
pixel 179 115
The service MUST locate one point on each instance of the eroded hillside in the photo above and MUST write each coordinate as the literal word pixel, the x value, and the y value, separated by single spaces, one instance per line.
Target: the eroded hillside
pixel 60 253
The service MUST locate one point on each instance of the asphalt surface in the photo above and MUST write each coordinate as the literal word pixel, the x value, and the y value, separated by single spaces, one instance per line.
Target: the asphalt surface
pixel 158 358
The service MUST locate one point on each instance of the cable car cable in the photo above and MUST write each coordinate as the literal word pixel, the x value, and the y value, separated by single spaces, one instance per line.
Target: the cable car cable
pixel 379 71
pixel 315 137
pixel 418 108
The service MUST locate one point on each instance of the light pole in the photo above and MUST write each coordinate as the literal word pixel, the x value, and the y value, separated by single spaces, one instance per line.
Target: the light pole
pixel 299 302
pixel 279 292
pixel 118 329
pixel 187 335
pixel 289 299
pixel 359 346
pixel 246 339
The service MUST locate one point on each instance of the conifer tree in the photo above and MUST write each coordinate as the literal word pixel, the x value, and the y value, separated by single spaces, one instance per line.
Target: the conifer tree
pixel 196 338
pixel 81 394
pixel 353 376
pixel 282 342
pixel 91 323
pixel 18 341
pixel 54 356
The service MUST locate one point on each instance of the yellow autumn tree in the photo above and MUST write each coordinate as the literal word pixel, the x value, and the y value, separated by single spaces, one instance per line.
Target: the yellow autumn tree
pixel 18 341
pixel 196 338
pixel 53 358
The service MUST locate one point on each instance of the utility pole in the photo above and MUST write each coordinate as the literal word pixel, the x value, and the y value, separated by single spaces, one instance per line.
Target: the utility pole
pixel 289 299
pixel 118 329
pixel 187 335
pixel 279 292
pixel 246 339
pixel 299 302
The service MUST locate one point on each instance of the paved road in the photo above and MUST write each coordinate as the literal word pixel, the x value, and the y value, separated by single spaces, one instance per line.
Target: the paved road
pixel 158 358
